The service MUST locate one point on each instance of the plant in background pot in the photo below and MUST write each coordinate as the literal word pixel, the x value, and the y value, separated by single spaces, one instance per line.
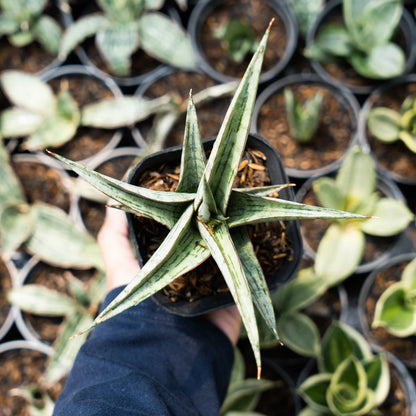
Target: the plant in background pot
pixel 386 310
pixel 303 118
pixel 355 189
pixel 350 378
pixel 206 216
pixel 49 120
pixel 25 22
pixel 306 12
pixel 120 28
pixel 335 117
pixel 361 41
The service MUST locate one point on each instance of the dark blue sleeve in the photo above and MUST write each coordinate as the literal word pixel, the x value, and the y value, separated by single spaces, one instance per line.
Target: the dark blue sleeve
pixel 148 362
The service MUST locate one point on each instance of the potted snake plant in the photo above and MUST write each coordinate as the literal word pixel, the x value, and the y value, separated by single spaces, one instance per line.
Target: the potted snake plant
pixel 205 215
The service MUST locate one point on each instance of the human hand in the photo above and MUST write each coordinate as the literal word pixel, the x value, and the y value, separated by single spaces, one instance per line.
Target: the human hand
pixel 121 266
pixel 120 262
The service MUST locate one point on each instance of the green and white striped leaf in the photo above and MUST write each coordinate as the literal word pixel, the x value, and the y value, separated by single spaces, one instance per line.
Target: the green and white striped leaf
pixel 164 207
pixel 66 348
pixel 120 111
pixel 300 334
pixel 193 158
pixel 40 300
pixel 117 43
pixel 222 249
pixel 57 240
pixel 48 33
pixel 11 191
pixel 255 278
pixel 180 252
pixel 166 41
pixel 314 390
pixel 16 224
pixel 80 30
pixel 263 190
pixel 248 209
pixel 229 146
pixel 19 122
pixel 28 91
pixel 378 377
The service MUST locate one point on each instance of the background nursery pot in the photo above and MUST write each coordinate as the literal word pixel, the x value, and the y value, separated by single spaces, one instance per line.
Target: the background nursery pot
pixel 376 283
pixel 292 233
pixel 207 16
pixel 336 132
pixel 395 160
pixel 344 75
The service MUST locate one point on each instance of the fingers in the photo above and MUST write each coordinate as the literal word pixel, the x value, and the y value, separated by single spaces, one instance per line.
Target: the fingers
pixel 119 259
pixel 228 320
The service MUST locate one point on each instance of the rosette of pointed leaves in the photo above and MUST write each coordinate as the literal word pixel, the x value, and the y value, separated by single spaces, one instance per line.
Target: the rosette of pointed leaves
pixel 24 22
pixel 206 216
pixel 396 307
pixel 124 26
pixel 351 380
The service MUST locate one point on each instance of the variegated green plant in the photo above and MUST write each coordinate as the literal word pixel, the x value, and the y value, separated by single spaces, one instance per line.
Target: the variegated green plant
pixel 396 308
pixel 124 26
pixel 244 393
pixel 78 311
pixel 206 216
pixel 306 12
pixel 303 118
pixel 239 39
pixel 350 379
pixel 363 40
pixel 24 21
pixel 354 189
pixel 388 125
pixel 45 230
pixel 45 119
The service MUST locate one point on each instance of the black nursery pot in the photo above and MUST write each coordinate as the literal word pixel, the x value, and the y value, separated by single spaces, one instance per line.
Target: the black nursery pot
pixel 277 176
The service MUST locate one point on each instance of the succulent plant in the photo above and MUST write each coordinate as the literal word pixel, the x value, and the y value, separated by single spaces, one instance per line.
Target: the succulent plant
pixel 303 118
pixel 388 125
pixel 364 40
pixel 239 39
pixel 306 12
pixel 206 216
pixel 354 189
pixel 125 26
pixel 45 119
pixel 23 22
pixel 350 379
pixel 396 308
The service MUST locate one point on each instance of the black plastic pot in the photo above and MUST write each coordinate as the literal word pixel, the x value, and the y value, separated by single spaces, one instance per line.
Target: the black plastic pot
pixel 388 342
pixel 277 176
pixel 407 30
pixel 204 9
pixel 386 188
pixel 399 88
pixel 348 105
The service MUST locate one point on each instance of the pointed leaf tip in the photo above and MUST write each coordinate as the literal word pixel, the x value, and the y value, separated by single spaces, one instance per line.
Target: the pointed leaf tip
pixel 190 93
pixel 258 372
pixel 271 23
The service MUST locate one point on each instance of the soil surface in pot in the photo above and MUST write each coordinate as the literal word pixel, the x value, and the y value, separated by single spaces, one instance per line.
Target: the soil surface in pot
pixel 254 13
pixel 41 183
pixel 394 157
pixel 269 239
pixel 313 231
pixel 331 140
pixel 403 348
pixel 54 278
pixel 85 90
pixel 20 368
pixel 5 286
pixel 210 114
pixel 93 213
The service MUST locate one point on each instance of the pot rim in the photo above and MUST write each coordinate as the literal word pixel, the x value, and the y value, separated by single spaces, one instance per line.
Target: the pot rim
pixel 204 7
pixel 205 304
pixel 346 96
